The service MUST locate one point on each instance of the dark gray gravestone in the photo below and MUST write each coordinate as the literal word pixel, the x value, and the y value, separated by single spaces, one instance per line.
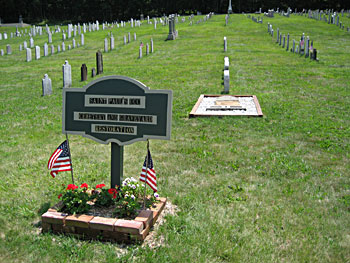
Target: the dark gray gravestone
pixel 99 62
pixel 287 42
pixel 93 72
pixel 117 110
pixel 83 72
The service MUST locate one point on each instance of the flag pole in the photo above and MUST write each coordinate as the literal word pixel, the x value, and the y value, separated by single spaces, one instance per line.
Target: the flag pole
pixel 144 194
pixel 70 158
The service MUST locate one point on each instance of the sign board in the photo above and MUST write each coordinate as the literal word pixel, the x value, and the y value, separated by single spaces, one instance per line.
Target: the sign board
pixel 117 109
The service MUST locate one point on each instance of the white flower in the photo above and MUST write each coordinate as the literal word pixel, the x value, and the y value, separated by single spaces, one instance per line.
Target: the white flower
pixel 133 197
pixel 126 195
pixel 156 195
pixel 133 187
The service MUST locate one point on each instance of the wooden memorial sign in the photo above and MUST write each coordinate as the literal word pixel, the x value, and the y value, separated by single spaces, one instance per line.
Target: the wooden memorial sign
pixel 119 110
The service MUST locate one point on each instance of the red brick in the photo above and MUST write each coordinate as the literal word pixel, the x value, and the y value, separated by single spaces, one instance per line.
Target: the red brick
pixel 45 227
pixel 53 218
pixel 146 217
pixel 102 223
pixel 57 228
pixel 78 220
pixel 142 236
pixel 88 232
pixel 157 210
pixel 68 229
pixel 128 226
pixel 115 236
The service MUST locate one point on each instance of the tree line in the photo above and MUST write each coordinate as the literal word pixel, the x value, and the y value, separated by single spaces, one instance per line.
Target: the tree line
pixel 64 11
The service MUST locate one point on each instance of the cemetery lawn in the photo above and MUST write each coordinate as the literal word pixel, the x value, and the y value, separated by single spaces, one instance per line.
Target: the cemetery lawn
pixel 271 189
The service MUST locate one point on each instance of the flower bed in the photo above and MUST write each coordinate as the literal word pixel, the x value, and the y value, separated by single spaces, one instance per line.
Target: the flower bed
pixel 105 214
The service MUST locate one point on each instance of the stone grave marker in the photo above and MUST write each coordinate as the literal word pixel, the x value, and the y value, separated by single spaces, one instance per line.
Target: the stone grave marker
pixel 140 52
pixel 83 71
pixel 37 52
pixel 287 42
pixel 25 45
pixel 46 85
pixel 152 45
pixel 134 36
pixel 225 44
pixel 67 75
pixel 284 41
pixel 2 52
pixel 82 40
pixel 93 72
pixel 226 63
pixel 106 45
pixel 124 40
pixel 28 55
pixel 74 43
pixel 63 47
pixel 293 48
pixel 52 49
pixel 99 62
pixel 112 42
pixel 46 50
pixel 58 49
pixel 31 42
pixel 49 38
pixel 226 81
pixel 20 47
pixel 128 37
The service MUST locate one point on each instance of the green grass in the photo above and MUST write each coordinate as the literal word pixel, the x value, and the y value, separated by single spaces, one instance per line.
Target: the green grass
pixel 268 189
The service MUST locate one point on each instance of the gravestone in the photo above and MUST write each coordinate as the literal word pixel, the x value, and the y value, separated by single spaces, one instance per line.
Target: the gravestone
pixel 73 43
pixel 278 35
pixel 0 36
pixel 49 38
pixel 124 40
pixel 2 52
pixel 67 75
pixel 112 43
pixel 25 45
pixel 83 71
pixel 63 47
pixel 226 81
pixel 99 62
pixel 93 72
pixel 46 85
pixel 152 45
pixel 46 50
pixel 8 49
pixel 82 40
pixel 69 47
pixel 225 44
pixel 140 52
pixel 147 49
pixel 226 63
pixel 128 37
pixel 284 41
pixel 5 35
pixel 28 55
pixel 31 41
pixel 280 40
pixel 287 42
pixel 20 47
pixel 58 49
pixel 63 36
pixel 37 52
pixel 106 45
pixel 307 44
pixel 293 48
pixel 52 49
pixel 134 36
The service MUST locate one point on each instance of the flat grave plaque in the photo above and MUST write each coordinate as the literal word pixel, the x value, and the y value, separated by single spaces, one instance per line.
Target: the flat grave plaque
pixel 226 105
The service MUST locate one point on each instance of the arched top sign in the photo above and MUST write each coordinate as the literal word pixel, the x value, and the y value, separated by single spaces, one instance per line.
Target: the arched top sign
pixel 117 109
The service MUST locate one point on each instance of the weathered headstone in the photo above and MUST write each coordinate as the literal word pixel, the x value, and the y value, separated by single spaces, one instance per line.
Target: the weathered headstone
pixel 152 45
pixel 20 47
pixel 226 81
pixel 67 75
pixel 31 41
pixel 93 72
pixel 46 85
pixel 8 49
pixel 63 36
pixel 74 43
pixel 25 45
pixel 52 49
pixel 82 40
pixel 112 42
pixel 278 35
pixel 128 37
pixel 307 44
pixel 226 63
pixel 2 52
pixel 46 50
pixel 225 44
pixel 49 38
pixel 124 40
pixel 293 48
pixel 106 45
pixel 284 41
pixel 140 52
pixel 63 47
pixel 58 49
pixel 28 55
pixel 287 42
pixel 83 71
pixel 37 52
pixel 134 36
pixel 99 62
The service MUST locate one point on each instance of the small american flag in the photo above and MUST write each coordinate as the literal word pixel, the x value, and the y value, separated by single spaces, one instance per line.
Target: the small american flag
pixel 151 174
pixel 60 160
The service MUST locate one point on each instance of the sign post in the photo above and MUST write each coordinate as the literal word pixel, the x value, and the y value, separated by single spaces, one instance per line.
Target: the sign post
pixel 119 110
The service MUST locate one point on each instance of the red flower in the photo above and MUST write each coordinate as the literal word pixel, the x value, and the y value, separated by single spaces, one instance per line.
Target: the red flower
pixel 84 185
pixel 71 187
pixel 113 192
pixel 59 196
pixel 100 186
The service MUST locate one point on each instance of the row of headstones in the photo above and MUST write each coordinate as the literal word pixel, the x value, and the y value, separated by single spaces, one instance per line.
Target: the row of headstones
pixel 271 12
pixel 333 18
pixel 147 48
pixel 60 48
pixel 46 52
pixel 256 20
pixel 205 18
pixel 305 46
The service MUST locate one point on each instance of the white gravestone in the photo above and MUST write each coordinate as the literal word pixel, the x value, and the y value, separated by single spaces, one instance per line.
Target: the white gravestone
pixel 147 49
pixel 225 44
pixel 2 52
pixel 46 85
pixel 58 49
pixel 74 43
pixel 31 41
pixel 106 44
pixel 37 52
pixel 25 45
pixel 152 45
pixel 82 40
pixel 112 43
pixel 140 52
pixel 67 75
pixel 124 40
pixel 29 55
pixel 134 36
pixel 46 50
pixel 63 47
pixel 226 63
pixel 226 81
pixel 50 38
pixel 52 49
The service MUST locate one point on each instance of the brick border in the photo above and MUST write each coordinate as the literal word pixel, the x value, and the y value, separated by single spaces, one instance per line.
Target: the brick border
pixel 102 228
